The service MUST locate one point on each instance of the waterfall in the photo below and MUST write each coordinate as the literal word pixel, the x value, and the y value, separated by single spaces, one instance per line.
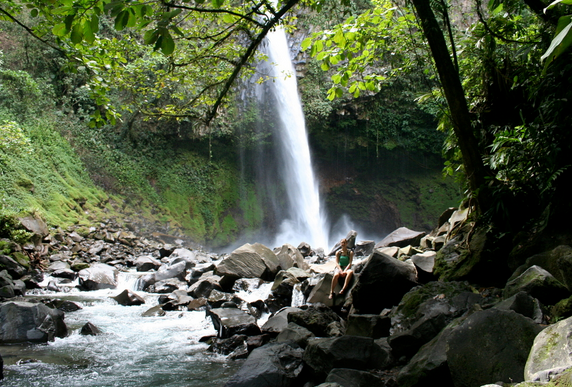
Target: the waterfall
pixel 303 218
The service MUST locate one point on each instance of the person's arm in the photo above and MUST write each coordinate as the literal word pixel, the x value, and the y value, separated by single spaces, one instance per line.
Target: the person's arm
pixel 338 260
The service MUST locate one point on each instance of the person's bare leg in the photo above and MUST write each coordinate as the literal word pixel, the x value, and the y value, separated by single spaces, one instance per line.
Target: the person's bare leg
pixel 347 281
pixel 334 283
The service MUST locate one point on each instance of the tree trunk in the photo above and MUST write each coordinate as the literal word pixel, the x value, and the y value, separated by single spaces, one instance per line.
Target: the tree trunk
pixel 472 160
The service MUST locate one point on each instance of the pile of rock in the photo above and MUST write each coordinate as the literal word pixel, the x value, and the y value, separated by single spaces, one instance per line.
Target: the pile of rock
pixel 400 325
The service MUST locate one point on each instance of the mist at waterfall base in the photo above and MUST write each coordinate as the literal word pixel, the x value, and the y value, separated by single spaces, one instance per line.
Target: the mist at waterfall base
pixel 281 162
pixel 131 350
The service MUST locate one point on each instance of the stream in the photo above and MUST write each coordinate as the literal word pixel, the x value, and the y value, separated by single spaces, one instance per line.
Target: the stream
pixel 132 350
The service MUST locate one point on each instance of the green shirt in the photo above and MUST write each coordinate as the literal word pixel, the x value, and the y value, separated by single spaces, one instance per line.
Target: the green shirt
pixel 344 261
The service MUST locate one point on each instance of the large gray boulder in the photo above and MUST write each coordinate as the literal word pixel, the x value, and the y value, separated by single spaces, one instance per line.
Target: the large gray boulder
pixel 98 276
pixel 538 283
pixel 368 325
pixel 11 266
pixel 289 256
pixel 231 321
pixel 22 322
pixel 295 333
pixel 551 352
pixel 401 237
pixel 355 352
pixel 382 283
pixel 279 321
pixel 275 364
pixel 429 366
pixel 490 346
pixel 249 261
pixel 425 310
pixel 316 318
pixel 128 298
pixel 147 263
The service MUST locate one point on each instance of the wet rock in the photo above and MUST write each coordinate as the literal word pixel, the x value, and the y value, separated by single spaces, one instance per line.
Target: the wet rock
pixel 197 304
pixel 275 364
pixel 128 298
pixel 63 305
pixel 156 311
pixel 90 330
pixel 205 285
pixel 228 345
pixel 167 286
pixel 176 270
pixel 147 263
pixel 387 278
pixel 98 276
pixel 229 322
pixel 279 321
pixel 22 322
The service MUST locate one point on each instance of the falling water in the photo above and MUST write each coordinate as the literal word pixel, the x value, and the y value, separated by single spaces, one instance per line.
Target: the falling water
pixel 305 220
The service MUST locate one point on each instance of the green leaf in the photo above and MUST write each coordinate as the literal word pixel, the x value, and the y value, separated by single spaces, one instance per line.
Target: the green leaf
pixel 94 24
pixel 59 30
pixel 561 40
pixel 306 43
pixel 554 3
pixel 324 66
pixel 167 44
pixel 34 12
pixel 88 34
pixel 77 34
pixel 150 36
pixel 121 20
pixel 217 3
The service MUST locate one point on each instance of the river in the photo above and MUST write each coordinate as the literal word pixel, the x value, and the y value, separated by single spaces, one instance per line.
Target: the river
pixel 132 350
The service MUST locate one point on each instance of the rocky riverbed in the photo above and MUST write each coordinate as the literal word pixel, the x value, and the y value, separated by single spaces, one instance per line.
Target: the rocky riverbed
pixel 398 326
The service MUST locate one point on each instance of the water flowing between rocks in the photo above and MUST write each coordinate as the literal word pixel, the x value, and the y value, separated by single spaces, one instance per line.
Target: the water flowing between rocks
pixel 131 351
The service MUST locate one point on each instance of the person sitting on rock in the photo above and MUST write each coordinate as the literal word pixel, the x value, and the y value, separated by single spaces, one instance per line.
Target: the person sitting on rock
pixel 344 258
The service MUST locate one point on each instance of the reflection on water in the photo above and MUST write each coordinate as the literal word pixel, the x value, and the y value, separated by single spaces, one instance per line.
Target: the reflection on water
pixel 131 351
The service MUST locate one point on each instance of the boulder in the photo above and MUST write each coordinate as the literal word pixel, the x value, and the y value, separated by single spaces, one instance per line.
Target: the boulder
pixel 146 263
pixel 368 325
pixel 230 321
pixel 205 285
pixel 167 286
pixel 364 248
pixel 289 256
pixel 249 261
pixel 176 270
pixel 385 277
pixel 401 238
pixel 156 311
pixel 501 341
pixel 274 364
pixel 98 276
pixel 11 266
pixel 424 263
pixel 429 365
pixel 316 318
pixel 348 377
pixel 550 353
pixel 22 322
pixel 90 330
pixel 295 333
pixel 128 298
pixel 355 352
pixel 279 321
pixel 524 304
pixel 538 283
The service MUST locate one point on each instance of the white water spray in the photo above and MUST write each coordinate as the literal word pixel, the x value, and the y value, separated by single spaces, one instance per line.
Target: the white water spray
pixel 306 220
